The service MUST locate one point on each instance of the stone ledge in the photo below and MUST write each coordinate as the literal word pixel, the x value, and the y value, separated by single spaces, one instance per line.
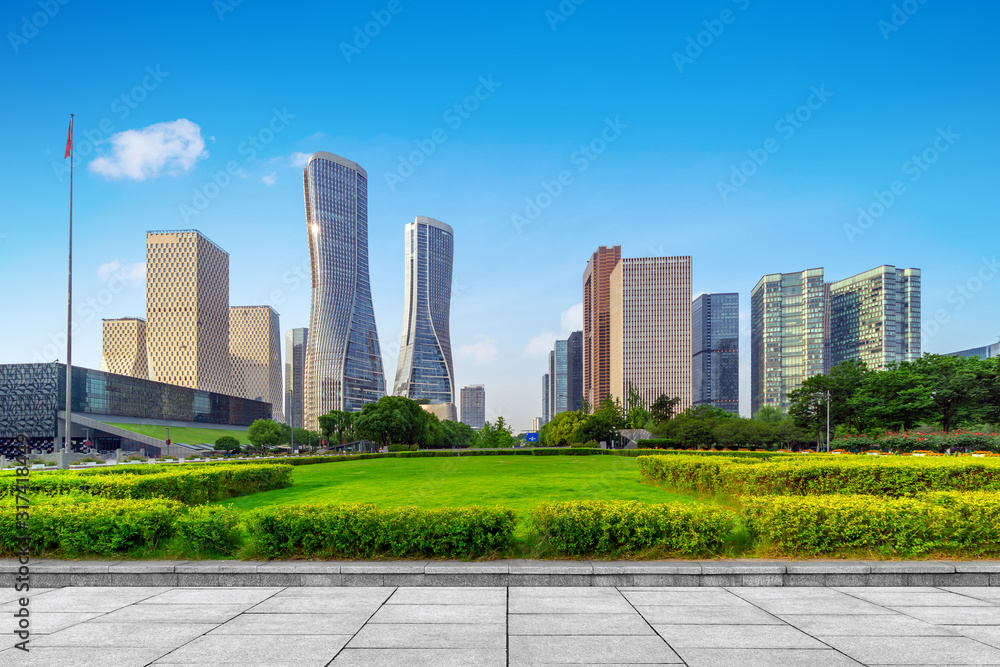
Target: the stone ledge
pixel 57 573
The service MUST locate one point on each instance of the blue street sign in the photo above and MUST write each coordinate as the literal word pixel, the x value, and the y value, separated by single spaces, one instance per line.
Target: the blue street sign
pixel 532 437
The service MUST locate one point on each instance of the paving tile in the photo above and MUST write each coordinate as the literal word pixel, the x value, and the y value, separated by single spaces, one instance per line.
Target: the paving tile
pixel 44 623
pixel 174 613
pixel 707 615
pixel 864 625
pixel 987 634
pixel 739 636
pixel 393 657
pixel 440 613
pixel 372 594
pixel 293 624
pixel 809 601
pixel 564 604
pixel 42 656
pixel 88 599
pixel 578 624
pixel 212 595
pixel 590 649
pixel 518 592
pixel 303 650
pixel 336 605
pixel 986 593
pixel 449 595
pixel 954 615
pixel 714 657
pixel 915 650
pixel 717 596
pixel 437 635
pixel 915 597
pixel 166 635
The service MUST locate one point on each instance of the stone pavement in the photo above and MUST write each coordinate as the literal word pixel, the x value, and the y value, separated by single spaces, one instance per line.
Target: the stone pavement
pixel 495 626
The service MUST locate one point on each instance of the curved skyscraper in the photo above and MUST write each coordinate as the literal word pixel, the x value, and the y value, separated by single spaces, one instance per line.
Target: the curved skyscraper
pixel 425 370
pixel 343 360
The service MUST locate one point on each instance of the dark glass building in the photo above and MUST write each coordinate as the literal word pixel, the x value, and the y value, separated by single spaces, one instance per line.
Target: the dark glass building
pixel 562 386
pixel 715 345
pixel 295 375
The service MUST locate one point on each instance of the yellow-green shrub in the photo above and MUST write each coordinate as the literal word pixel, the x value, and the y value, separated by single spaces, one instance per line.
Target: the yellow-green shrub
pixel 209 529
pixel 610 528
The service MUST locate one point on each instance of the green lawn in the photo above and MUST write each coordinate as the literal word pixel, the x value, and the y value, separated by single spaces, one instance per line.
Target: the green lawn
pixel 187 435
pixel 518 482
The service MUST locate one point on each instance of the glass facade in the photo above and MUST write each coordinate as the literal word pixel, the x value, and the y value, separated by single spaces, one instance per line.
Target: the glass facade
pixel 715 337
pixel 985 352
pixel 425 370
pixel 562 386
pixel 474 406
pixel 32 394
pixel 343 359
pixel 295 375
pixel 546 417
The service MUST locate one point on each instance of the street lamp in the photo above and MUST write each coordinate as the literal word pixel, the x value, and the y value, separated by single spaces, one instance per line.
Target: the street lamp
pixel 827 420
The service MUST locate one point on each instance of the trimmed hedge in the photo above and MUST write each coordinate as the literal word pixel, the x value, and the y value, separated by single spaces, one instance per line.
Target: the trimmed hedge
pixel 191 486
pixel 954 523
pixel 367 531
pixel 210 529
pixel 614 528
pixel 72 527
pixel 804 475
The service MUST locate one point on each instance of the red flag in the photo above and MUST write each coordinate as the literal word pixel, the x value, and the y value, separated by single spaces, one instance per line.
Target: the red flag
pixel 69 139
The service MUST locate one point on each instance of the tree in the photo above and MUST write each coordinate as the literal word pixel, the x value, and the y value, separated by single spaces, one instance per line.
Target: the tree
pixel 897 397
pixel 305 437
pixel 636 414
pixel 663 409
pixel 955 391
pixel 227 443
pixel 337 425
pixel 494 436
pixel 769 414
pixel 264 433
pixel 808 405
pixel 560 431
pixel 598 428
pixel 392 420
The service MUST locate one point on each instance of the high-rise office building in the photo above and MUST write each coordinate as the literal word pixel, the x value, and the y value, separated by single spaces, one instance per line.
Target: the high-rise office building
pixel 474 406
pixel 124 349
pixel 255 348
pixel 596 318
pixel 715 344
pixel 187 311
pixel 536 423
pixel 789 325
pixel 563 387
pixel 985 352
pixel 295 375
pixel 553 377
pixel 425 370
pixel 343 359
pixel 546 417
pixel 875 317
pixel 574 371
pixel 650 329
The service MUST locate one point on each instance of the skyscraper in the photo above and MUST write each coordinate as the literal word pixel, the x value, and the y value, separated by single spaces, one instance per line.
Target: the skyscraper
pixel 563 386
pixel 295 375
pixel 343 360
pixel 789 317
pixel 650 329
pixel 715 343
pixel 255 348
pixel 574 371
pixel 596 316
pixel 546 417
pixel 124 349
pixel 425 370
pixel 875 317
pixel 187 311
pixel 474 406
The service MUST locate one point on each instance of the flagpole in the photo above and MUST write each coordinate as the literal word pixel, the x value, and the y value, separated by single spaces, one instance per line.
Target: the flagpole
pixel 69 307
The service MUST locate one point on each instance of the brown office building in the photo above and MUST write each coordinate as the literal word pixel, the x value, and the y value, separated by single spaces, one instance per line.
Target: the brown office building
pixel 124 349
pixel 187 311
pixel 596 319
pixel 255 348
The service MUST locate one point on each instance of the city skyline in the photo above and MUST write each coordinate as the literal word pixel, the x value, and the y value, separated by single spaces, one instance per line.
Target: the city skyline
pixel 871 169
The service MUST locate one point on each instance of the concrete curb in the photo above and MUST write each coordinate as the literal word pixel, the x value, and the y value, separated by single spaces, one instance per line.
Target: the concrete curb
pixel 58 573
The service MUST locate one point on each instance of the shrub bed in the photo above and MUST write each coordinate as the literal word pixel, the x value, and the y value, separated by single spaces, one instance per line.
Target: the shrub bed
pixel 615 528
pixel 953 523
pixel 367 531
pixel 210 529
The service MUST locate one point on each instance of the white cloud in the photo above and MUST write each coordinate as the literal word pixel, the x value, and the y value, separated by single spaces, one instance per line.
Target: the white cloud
pixel 571 319
pixel 270 178
pixel 134 272
pixel 173 147
pixel 483 352
pixel 299 160
pixel 540 345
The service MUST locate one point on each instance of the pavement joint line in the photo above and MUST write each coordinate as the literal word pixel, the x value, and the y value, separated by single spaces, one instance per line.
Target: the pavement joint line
pixel 395 589
pixel 655 631
pixel 787 624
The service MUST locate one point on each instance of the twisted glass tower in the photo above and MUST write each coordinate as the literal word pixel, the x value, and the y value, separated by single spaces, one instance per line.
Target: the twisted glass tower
pixel 343 361
pixel 425 370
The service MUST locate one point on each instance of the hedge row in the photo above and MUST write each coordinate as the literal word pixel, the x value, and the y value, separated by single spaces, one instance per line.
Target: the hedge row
pixel 367 531
pixel 952 523
pixel 875 476
pixel 189 485
pixel 619 528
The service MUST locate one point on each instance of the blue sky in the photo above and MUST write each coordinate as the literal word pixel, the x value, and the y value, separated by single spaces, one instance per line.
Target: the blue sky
pixel 669 99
